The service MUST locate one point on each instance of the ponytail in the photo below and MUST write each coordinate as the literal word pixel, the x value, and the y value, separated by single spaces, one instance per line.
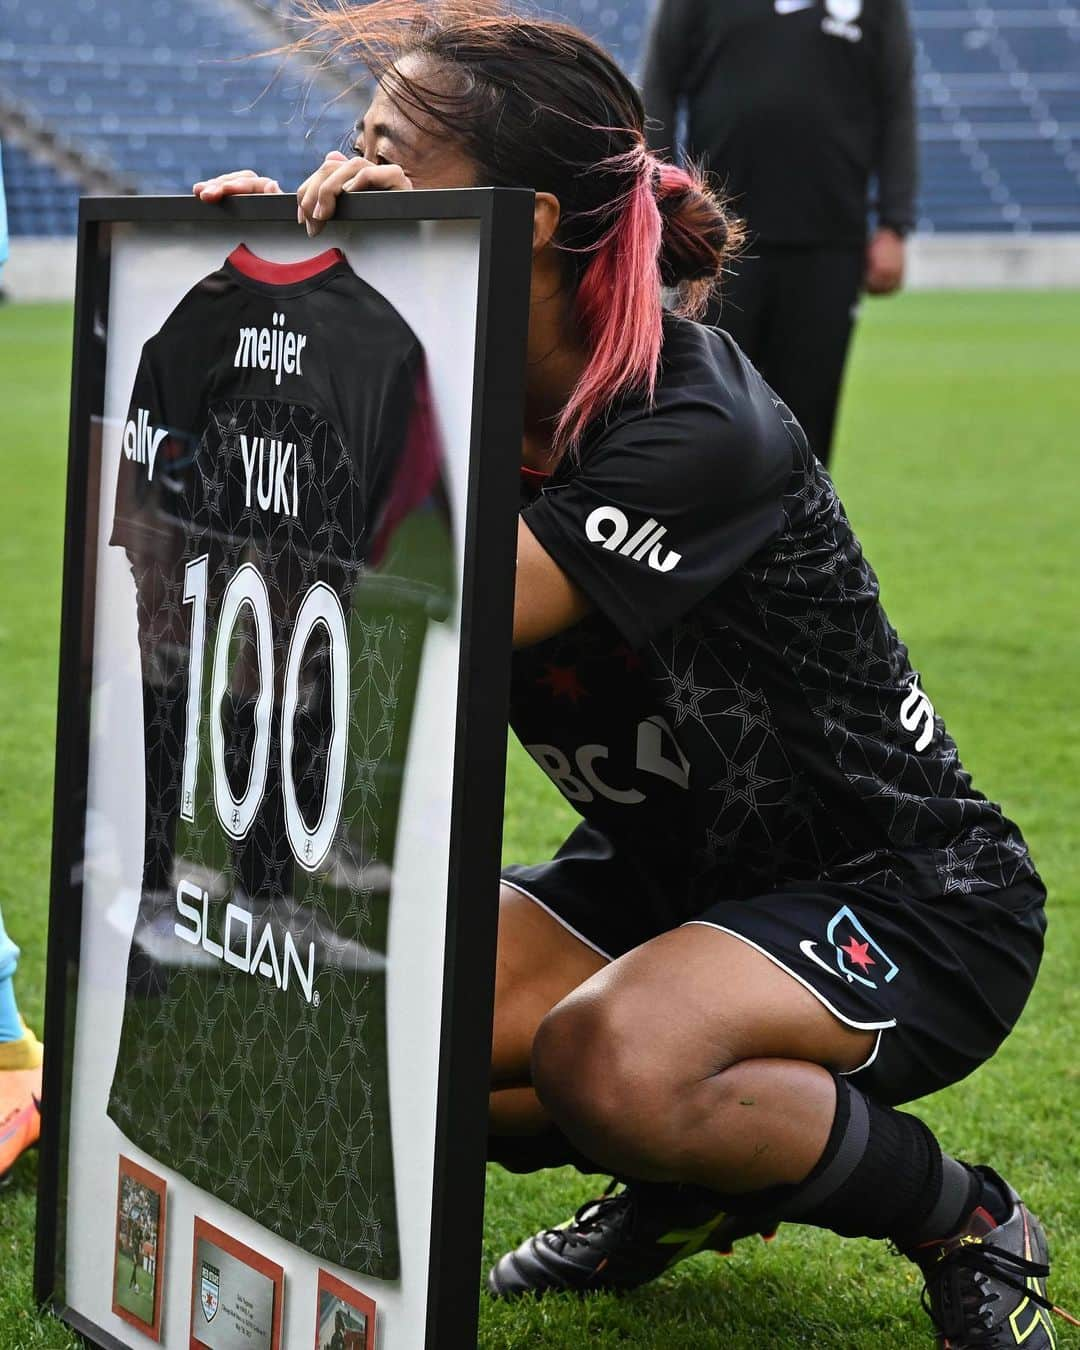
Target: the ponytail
pixel 668 230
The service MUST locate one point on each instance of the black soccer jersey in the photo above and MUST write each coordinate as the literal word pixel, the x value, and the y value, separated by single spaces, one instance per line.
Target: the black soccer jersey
pixel 280 499
pixel 737 712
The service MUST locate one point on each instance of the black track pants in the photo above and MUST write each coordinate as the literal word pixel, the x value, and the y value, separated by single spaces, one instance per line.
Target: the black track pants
pixel 792 310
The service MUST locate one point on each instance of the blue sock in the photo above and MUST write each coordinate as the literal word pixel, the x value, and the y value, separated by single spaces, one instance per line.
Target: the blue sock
pixel 11 1028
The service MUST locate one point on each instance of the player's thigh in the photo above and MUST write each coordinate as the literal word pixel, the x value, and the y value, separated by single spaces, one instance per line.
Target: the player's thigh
pixel 539 962
pixel 684 1007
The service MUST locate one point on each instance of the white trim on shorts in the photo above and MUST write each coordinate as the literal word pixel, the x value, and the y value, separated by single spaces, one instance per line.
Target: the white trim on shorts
pixel 514 886
pixel 879 1027
pixel 847 1021
pixel 846 1073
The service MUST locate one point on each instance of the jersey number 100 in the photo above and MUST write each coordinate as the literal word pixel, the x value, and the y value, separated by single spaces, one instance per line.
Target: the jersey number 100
pixel 319 607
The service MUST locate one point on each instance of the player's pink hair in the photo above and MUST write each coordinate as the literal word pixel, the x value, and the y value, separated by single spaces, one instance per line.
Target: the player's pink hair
pixel 535 103
pixel 618 299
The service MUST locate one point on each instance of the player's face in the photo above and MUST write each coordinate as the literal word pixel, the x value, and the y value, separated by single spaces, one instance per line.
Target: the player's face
pixel 386 135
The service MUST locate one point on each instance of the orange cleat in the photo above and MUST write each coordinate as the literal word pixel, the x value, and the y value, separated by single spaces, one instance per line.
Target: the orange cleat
pixel 20 1098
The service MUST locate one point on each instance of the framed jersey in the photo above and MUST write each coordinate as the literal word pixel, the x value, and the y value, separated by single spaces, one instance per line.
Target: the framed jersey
pixel 288 574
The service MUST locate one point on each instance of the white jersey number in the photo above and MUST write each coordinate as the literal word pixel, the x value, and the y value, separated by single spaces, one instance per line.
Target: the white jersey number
pixel 320 608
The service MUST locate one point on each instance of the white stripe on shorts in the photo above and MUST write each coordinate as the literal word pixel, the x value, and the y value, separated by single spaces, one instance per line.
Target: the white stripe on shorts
pixel 514 886
pixel 847 1021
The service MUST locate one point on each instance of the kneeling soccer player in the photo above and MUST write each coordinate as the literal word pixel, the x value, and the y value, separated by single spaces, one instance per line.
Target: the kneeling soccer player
pixel 786 909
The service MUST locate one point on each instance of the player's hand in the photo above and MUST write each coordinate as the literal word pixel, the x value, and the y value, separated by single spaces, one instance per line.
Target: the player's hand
pixel 885 257
pixel 235 184
pixel 316 197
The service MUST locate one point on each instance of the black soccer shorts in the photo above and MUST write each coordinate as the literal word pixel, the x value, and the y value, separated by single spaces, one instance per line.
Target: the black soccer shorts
pixel 941 981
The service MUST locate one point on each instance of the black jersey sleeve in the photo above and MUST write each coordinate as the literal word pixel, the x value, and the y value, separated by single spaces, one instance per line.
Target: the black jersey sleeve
pixel 665 507
pixel 156 442
pixel 140 447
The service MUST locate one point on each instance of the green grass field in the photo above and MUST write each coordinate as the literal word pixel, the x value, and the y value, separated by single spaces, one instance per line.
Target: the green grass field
pixel 958 461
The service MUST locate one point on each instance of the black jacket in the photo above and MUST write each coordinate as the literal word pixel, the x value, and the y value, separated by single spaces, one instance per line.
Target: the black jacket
pixel 795 105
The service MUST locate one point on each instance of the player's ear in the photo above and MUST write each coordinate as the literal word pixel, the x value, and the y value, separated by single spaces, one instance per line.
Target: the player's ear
pixel 546 213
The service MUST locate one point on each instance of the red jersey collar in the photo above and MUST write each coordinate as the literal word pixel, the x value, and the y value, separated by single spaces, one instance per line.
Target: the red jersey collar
pixel 282 274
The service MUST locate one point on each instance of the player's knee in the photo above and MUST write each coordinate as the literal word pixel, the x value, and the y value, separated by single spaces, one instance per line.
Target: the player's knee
pixel 562 1055
pixel 596 1074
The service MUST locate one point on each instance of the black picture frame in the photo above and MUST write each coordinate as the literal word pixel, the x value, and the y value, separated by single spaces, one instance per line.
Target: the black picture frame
pixel 504 218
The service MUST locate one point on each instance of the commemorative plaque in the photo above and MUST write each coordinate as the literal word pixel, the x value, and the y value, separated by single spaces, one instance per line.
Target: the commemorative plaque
pixel 236 1295
pixel 284 674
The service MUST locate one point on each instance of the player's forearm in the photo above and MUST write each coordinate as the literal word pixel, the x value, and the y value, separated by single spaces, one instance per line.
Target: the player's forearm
pixel 545 599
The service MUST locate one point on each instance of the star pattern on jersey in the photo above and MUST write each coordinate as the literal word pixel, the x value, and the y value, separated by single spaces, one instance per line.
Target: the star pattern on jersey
pixel 741 783
pixel 686 696
pixel 863 656
pixel 240 1085
pixel 751 708
pixel 835 711
pixel 959 872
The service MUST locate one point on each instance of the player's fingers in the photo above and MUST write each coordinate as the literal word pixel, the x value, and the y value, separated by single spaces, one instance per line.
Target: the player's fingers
pixel 380 177
pixel 256 184
pixel 307 194
pixel 320 206
pixel 332 186
pixel 219 179
pixel 239 182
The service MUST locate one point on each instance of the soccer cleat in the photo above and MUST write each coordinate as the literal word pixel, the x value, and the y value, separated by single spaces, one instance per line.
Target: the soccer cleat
pixel 621 1241
pixel 25 1053
pixel 20 1098
pixel 986 1285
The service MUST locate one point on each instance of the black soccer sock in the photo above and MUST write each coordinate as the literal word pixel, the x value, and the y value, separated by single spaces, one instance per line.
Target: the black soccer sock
pixel 882 1175
pixel 993 1199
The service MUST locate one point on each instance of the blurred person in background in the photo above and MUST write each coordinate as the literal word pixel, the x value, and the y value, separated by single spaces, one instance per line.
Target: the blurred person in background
pixel 796 106
pixel 20 1064
pixel 20 1050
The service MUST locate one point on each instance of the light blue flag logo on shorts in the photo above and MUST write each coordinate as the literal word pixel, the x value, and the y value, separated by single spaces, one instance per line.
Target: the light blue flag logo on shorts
pixel 858 956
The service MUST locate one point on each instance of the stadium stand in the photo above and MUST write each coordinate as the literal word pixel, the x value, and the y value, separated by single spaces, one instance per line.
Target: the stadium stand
pixel 160 89
pixel 38 202
pixel 166 91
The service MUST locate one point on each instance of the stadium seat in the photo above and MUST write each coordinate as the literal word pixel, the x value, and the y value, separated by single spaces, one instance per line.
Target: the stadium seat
pixel 38 202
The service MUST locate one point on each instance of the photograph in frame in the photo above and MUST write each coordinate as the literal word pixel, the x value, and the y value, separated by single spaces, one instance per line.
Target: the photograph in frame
pixel 345 1318
pixel 139 1260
